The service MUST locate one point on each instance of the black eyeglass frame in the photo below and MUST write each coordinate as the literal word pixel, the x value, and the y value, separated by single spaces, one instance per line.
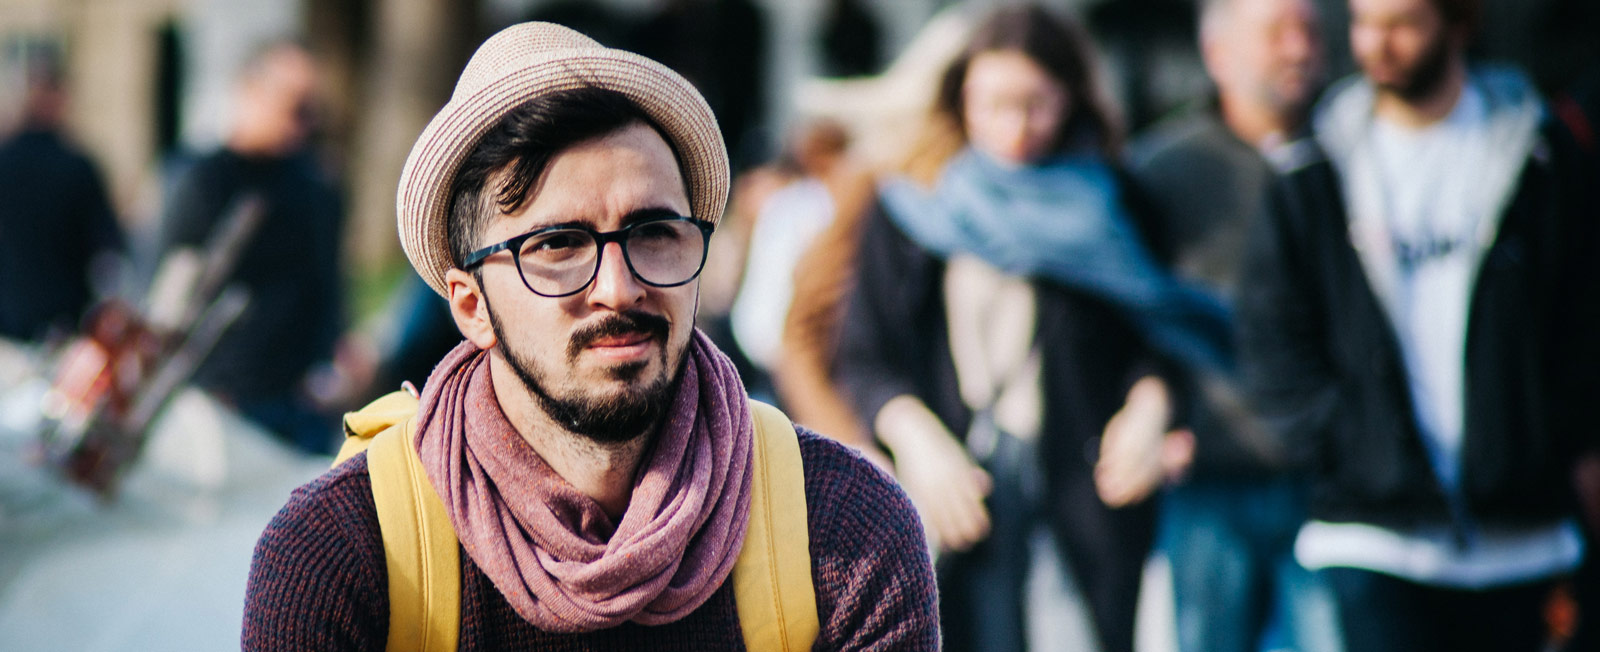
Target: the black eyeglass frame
pixel 601 239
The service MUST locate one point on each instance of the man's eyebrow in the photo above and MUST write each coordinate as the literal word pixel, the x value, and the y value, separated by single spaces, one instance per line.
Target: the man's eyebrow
pixel 631 217
pixel 562 224
pixel 649 213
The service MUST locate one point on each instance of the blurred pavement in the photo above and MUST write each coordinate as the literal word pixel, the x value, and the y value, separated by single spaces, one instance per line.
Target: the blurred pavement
pixel 163 566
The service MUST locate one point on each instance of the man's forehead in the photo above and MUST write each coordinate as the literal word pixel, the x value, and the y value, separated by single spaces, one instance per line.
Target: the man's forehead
pixel 1392 8
pixel 616 178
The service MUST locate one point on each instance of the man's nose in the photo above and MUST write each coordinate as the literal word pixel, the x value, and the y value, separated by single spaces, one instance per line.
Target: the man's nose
pixel 615 287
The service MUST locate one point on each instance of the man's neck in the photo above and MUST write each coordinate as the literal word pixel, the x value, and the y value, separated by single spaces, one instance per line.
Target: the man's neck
pixel 604 472
pixel 1255 124
pixel 1427 109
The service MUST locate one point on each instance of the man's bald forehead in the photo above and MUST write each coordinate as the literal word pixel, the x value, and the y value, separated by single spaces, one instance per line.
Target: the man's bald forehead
pixel 1215 14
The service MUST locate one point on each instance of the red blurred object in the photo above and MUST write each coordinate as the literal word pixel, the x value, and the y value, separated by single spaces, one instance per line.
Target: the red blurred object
pixel 1561 615
pixel 97 378
pixel 112 380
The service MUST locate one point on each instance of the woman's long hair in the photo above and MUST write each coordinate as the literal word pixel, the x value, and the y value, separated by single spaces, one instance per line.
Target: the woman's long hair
pixel 1056 44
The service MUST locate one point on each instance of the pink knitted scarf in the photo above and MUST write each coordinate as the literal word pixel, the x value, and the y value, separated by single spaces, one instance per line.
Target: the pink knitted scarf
pixel 550 549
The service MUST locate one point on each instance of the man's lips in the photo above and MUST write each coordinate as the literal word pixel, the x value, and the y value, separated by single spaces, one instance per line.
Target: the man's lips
pixel 620 348
pixel 619 336
pixel 618 341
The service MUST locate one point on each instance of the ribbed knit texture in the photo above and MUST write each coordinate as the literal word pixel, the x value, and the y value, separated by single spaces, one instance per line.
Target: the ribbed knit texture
pixel 318 580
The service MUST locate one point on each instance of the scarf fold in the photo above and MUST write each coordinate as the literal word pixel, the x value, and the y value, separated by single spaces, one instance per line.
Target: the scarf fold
pixel 1064 220
pixel 550 549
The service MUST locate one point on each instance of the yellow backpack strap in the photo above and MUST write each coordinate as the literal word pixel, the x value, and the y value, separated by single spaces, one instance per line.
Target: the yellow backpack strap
pixel 419 544
pixel 380 415
pixel 772 577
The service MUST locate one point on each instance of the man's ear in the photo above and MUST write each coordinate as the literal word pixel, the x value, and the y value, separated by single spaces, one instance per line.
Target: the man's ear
pixel 1214 57
pixel 469 308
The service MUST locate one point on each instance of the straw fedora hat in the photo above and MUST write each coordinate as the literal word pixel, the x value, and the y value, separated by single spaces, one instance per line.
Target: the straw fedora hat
pixel 531 60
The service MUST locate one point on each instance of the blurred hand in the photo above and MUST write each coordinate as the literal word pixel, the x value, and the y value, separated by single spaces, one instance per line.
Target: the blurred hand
pixel 343 383
pixel 1137 454
pixel 947 487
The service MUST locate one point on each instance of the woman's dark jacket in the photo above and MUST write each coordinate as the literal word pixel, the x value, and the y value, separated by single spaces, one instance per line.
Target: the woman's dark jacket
pixel 894 340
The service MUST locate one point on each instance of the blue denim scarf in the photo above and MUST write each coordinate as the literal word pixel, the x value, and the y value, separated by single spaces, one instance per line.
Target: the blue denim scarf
pixel 1062 220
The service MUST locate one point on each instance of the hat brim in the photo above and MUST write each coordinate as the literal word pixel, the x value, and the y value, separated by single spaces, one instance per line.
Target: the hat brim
pixel 678 110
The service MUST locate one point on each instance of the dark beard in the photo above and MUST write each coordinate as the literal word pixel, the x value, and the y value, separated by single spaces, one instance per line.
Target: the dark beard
pixel 1428 75
pixel 604 419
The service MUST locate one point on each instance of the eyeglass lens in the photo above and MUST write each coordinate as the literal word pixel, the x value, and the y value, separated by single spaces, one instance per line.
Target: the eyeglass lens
pixel 660 253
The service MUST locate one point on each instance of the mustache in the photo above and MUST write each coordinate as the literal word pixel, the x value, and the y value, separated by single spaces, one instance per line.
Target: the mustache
pixel 618 325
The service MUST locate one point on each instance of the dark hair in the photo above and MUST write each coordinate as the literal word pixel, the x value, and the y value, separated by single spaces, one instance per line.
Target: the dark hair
pixel 521 144
pixel 1467 14
pixel 1060 47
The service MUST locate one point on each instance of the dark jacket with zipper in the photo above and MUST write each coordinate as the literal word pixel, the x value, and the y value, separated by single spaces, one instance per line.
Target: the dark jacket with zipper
pixel 895 340
pixel 1324 365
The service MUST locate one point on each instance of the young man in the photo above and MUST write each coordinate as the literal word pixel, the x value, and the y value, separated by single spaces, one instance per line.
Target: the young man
pixel 592 450
pixel 1419 323
pixel 1229 527
pixel 289 264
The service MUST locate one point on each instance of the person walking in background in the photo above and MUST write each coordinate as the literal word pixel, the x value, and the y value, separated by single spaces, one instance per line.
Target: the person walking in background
pixel 785 223
pixel 596 456
pixel 822 281
pixel 290 265
pixel 884 113
pixel 1419 328
pixel 1228 529
pixel 57 227
pixel 1008 295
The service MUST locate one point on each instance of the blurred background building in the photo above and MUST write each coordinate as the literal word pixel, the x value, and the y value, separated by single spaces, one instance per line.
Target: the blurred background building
pixel 150 82
pixel 150 78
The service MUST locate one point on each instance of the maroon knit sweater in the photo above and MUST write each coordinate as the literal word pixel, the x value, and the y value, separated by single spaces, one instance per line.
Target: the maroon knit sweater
pixel 318 579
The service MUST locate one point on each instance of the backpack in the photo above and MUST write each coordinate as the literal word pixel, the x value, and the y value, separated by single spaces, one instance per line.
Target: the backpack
pixel 771 578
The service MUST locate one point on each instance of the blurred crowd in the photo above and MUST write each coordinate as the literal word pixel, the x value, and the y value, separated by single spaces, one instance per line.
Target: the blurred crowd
pixel 1325 344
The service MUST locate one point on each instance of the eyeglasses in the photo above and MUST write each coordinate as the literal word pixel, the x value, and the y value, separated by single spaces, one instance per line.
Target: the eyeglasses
pixel 561 261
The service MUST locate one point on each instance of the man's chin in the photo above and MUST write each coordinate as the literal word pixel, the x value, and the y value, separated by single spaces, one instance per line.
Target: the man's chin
pixel 1408 85
pixel 614 409
pixel 623 374
pixel 1384 78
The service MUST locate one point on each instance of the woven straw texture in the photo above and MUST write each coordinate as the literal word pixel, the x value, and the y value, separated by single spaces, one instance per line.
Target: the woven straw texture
pixel 531 60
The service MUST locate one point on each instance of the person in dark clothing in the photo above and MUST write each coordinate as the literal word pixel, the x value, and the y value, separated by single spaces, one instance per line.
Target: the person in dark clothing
pixel 1419 328
pixel 722 46
pixel 851 40
pixel 331 529
pixel 1009 295
pixel 599 463
pixel 56 221
pixel 1228 527
pixel 289 265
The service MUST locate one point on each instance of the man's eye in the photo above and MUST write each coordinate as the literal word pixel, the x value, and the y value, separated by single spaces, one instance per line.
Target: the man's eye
pixel 557 242
pixel 658 231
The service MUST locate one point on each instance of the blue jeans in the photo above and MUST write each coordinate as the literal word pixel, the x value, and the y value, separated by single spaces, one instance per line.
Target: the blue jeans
pixel 985 596
pixel 1234 577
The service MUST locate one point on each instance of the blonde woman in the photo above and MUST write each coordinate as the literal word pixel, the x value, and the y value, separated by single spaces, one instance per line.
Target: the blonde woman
pixel 1008 300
